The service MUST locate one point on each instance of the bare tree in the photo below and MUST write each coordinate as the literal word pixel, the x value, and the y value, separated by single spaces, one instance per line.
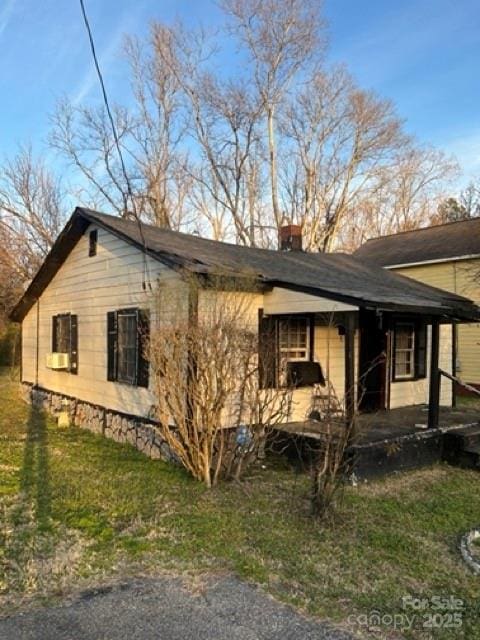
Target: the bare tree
pixel 406 196
pixel 467 205
pixel 211 410
pixel 470 200
pixel 11 278
pixel 32 211
pixel 149 133
pixel 342 139
pixel 282 39
pixel 223 120
pixel 236 157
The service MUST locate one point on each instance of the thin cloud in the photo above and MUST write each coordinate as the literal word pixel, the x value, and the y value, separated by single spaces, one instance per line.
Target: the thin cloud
pixel 5 15
pixel 105 59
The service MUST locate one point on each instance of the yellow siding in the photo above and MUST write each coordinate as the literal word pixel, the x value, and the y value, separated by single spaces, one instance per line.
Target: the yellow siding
pixel 329 352
pixel 437 275
pixel 461 277
pixel 409 392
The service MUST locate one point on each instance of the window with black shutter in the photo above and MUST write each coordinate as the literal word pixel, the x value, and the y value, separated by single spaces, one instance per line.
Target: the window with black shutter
pixel 410 351
pixel 286 352
pixel 65 338
pixel 127 342
pixel 267 351
pixel 421 351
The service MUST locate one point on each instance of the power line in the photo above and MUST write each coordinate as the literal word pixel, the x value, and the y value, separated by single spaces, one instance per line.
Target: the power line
pixel 116 140
pixel 107 104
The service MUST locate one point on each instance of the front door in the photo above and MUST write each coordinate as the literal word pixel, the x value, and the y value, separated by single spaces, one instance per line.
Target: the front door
pixel 372 385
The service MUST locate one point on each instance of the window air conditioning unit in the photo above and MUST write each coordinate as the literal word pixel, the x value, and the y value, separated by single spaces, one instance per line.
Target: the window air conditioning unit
pixel 57 360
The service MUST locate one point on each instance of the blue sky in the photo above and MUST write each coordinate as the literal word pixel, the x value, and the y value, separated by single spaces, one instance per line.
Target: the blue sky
pixel 422 54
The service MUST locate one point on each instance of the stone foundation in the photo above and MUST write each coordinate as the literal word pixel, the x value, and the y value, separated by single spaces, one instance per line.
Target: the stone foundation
pixel 141 433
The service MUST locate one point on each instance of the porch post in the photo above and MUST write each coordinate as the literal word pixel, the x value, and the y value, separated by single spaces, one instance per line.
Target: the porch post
pixel 434 390
pixel 349 367
pixel 454 361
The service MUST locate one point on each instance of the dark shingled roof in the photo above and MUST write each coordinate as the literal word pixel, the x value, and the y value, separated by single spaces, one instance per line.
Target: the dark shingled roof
pixel 451 240
pixel 337 276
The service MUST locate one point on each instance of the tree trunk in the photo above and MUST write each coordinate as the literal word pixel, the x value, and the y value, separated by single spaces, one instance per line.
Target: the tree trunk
pixel 273 165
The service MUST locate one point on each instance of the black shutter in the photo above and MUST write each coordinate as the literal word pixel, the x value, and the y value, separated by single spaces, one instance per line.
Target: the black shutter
pixel 267 351
pixel 420 350
pixel 73 344
pixel 92 243
pixel 311 335
pixel 112 345
pixel 54 334
pixel 143 337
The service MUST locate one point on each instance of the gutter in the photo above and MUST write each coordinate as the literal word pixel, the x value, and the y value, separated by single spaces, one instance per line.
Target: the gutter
pixel 420 263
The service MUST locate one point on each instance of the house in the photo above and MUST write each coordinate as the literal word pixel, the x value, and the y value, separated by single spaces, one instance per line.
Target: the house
pixel 445 256
pixel 334 316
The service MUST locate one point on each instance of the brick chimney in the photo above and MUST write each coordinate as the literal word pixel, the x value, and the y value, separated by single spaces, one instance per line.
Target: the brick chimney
pixel 290 237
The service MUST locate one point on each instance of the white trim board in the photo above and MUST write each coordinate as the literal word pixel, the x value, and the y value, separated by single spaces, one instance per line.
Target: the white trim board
pixel 435 261
pixel 280 301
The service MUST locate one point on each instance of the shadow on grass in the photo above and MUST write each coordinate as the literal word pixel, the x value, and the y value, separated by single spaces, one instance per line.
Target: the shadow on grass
pixel 35 476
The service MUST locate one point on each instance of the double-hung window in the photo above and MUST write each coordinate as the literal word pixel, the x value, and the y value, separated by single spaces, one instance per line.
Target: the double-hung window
pixel 127 346
pixel 410 351
pixel 127 337
pixel 294 339
pixel 286 352
pixel 404 351
pixel 65 338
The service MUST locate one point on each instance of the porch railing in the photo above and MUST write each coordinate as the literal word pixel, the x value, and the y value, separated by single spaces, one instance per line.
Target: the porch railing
pixel 459 381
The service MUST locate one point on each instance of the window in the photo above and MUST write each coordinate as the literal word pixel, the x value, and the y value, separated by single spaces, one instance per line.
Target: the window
pixel 92 243
pixel 404 351
pixel 127 346
pixel 65 338
pixel 410 345
pixel 294 338
pixel 127 333
pixel 285 349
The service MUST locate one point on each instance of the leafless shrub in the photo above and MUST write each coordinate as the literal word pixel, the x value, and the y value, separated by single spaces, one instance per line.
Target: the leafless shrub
pixel 211 409
pixel 333 454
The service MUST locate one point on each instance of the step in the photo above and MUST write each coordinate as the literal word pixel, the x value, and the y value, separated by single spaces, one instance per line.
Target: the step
pixel 460 438
pixel 467 458
pixel 473 449
pixel 471 437
pixel 466 461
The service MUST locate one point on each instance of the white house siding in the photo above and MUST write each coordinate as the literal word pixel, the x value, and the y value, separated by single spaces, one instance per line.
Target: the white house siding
pixel 410 392
pixel 90 287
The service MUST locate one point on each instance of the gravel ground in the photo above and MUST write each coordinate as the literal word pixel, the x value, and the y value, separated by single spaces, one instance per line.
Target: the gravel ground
pixel 221 608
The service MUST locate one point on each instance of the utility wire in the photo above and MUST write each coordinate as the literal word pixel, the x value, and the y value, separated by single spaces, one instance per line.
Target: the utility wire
pixel 117 141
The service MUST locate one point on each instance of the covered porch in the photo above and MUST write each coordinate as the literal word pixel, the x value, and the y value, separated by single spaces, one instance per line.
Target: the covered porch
pixel 389 441
pixel 347 361
pixel 390 425
pixel 381 378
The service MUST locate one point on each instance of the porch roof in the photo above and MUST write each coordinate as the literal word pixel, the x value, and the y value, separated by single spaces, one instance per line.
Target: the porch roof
pixel 336 276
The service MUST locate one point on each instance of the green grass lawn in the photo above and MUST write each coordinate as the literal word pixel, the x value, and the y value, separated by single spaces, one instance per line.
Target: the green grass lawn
pixel 77 510
pixel 469 402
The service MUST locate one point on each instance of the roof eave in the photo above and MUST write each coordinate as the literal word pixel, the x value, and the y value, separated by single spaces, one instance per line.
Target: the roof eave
pixel 465 314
